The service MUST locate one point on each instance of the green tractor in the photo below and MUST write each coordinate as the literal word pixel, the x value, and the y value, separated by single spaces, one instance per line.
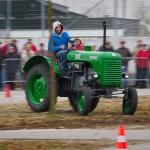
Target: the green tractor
pixel 93 75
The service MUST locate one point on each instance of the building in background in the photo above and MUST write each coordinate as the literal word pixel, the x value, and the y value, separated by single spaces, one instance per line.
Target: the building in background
pixel 24 18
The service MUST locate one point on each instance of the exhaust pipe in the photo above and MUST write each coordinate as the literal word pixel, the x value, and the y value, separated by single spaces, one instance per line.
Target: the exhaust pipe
pixel 104 35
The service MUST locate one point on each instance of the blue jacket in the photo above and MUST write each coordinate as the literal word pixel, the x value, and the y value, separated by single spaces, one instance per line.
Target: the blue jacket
pixel 59 40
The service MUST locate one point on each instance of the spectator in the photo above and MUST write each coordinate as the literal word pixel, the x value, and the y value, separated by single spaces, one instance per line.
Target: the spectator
pixel 26 54
pixel 14 43
pixel 148 70
pixel 33 47
pixel 11 65
pixel 124 52
pixel 143 56
pixel 135 51
pixel 108 47
pixel 5 47
pixel 93 47
pixel 137 47
pixel 1 60
pixel 42 51
pixel 78 45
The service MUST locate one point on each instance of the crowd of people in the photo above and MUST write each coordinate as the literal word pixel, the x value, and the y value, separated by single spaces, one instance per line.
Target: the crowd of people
pixel 10 57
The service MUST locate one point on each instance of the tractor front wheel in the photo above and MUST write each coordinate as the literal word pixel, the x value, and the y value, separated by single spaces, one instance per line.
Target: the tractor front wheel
pixel 94 104
pixel 84 101
pixel 73 101
pixel 130 102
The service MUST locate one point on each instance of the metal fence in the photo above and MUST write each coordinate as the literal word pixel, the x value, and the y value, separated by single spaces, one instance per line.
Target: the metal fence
pixel 12 72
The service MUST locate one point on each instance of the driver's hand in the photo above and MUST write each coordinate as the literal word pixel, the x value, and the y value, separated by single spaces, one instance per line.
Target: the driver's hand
pixel 62 46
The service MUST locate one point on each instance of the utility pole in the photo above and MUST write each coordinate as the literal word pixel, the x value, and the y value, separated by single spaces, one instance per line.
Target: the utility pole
pixel 115 17
pixel 124 6
pixel 104 35
pixel 43 18
pixel 8 21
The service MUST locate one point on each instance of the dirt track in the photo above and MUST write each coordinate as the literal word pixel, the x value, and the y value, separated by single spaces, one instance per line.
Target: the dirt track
pixel 106 115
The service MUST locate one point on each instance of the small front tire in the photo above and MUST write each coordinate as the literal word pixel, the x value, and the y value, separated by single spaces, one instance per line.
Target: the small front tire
pixel 130 103
pixel 94 104
pixel 84 101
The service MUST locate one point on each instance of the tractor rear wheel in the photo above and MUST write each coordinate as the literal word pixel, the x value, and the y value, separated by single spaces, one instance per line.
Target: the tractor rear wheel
pixel 38 87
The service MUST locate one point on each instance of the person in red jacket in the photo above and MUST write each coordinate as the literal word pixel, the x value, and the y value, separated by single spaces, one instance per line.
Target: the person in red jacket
pixel 4 47
pixel 143 59
pixel 78 45
pixel 33 47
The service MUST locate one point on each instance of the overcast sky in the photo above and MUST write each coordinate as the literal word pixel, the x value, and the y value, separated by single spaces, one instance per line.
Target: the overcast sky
pixel 106 7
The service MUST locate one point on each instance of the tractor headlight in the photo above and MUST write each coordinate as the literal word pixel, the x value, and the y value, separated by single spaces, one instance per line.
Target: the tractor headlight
pixel 125 75
pixel 95 75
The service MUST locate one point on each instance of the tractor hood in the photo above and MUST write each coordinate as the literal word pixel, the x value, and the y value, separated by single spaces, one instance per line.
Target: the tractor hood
pixel 92 56
pixel 106 64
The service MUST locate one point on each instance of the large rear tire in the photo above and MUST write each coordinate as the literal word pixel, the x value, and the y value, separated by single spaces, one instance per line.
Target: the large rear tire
pixel 37 88
pixel 84 101
pixel 130 103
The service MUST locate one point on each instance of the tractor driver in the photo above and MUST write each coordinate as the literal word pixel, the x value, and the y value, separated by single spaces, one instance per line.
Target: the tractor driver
pixel 60 40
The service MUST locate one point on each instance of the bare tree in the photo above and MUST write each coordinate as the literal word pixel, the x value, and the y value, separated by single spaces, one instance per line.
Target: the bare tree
pixel 142 12
pixel 52 82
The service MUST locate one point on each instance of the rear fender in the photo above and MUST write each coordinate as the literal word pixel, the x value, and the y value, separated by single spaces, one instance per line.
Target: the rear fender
pixel 39 60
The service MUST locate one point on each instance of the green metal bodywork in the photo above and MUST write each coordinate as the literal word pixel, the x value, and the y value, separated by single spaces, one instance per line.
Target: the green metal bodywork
pixel 39 60
pixel 106 64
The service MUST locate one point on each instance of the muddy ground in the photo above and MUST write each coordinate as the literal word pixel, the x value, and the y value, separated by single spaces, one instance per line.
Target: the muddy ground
pixel 107 115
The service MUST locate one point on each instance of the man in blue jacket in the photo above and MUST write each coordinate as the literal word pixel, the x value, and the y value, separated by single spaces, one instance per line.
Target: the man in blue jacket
pixel 60 42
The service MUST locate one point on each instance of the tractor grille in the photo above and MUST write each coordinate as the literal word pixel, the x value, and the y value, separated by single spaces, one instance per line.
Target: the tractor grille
pixel 112 72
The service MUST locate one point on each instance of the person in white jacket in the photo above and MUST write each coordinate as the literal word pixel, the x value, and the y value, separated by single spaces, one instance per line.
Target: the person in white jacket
pixel 26 54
